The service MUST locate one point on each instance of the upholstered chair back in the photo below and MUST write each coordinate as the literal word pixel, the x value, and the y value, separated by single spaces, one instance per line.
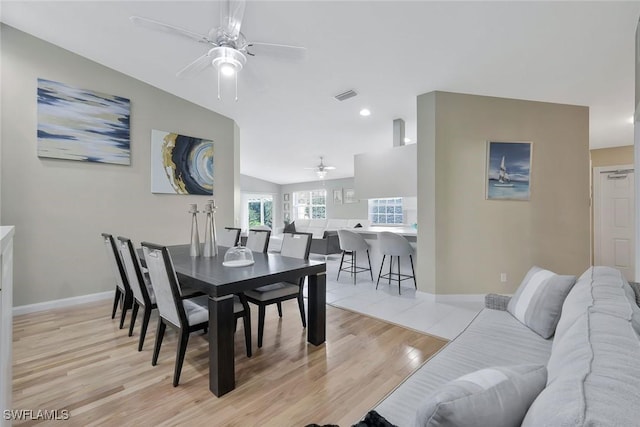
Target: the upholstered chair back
pixel 115 262
pixel 351 241
pixel 164 283
pixel 394 244
pixel 228 237
pixel 296 245
pixel 133 270
pixel 258 240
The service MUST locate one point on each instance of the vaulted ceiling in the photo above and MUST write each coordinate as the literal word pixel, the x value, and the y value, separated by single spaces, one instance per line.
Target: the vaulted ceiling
pixel 388 51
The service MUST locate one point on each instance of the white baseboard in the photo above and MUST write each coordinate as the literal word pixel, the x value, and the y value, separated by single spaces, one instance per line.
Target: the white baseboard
pixel 60 303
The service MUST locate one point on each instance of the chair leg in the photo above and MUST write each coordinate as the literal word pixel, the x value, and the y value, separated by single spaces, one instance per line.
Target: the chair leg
pixel 370 270
pixel 246 319
pixel 302 315
pixel 279 309
pixel 399 291
pixel 159 336
pixel 354 265
pixel 413 272
pixel 134 314
pixel 183 339
pixel 261 313
pixel 380 273
pixel 125 307
pixel 115 302
pixel 145 324
pixel 339 269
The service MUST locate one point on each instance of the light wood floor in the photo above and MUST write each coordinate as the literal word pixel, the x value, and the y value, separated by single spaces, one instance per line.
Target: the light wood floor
pixel 77 359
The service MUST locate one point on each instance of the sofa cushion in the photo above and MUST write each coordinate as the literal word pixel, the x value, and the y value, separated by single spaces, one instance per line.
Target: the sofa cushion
pixel 494 338
pixel 593 374
pixel 538 301
pixel 498 397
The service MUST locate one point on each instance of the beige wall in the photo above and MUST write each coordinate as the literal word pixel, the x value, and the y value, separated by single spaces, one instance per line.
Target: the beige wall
pixel 476 239
pixel 60 207
pixel 612 156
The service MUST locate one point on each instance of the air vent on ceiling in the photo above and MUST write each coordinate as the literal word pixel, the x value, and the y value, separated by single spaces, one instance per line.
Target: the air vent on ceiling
pixel 346 95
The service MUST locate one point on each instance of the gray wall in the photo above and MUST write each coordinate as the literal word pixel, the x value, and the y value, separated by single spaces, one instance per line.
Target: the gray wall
pixel 249 184
pixel 356 210
pixel 468 241
pixel 60 207
pixel 387 173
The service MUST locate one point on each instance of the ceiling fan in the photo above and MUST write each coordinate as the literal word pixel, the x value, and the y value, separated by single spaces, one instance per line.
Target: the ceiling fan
pixel 321 170
pixel 229 47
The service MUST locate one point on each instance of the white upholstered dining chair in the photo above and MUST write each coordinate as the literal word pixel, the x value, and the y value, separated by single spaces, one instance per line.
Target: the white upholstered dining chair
pixel 295 245
pixel 184 315
pixel 123 295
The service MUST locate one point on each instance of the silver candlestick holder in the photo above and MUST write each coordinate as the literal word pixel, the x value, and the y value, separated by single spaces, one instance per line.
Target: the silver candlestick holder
pixel 210 241
pixel 194 249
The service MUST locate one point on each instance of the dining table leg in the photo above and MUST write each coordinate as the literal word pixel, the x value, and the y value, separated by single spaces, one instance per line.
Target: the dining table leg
pixel 222 372
pixel 317 299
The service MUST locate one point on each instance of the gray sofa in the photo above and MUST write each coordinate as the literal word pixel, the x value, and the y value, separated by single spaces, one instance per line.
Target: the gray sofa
pixel 592 362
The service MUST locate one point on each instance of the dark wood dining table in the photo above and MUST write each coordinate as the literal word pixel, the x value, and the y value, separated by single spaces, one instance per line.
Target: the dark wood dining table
pixel 220 283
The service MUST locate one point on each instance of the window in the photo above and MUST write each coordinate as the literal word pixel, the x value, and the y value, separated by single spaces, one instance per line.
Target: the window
pixel 386 211
pixel 258 210
pixel 310 204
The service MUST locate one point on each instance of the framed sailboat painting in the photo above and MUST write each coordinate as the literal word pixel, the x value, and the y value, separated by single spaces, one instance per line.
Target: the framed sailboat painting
pixel 508 170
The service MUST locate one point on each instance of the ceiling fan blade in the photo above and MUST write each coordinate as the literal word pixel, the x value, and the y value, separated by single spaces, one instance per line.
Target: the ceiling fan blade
pixel 329 168
pixel 231 13
pixel 195 67
pixel 161 26
pixel 277 50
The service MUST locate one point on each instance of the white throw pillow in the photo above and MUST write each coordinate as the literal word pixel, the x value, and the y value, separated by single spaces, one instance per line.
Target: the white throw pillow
pixel 497 397
pixel 538 301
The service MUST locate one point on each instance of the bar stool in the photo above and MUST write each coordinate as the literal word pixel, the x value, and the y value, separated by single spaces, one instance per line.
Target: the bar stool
pixel 395 245
pixel 351 243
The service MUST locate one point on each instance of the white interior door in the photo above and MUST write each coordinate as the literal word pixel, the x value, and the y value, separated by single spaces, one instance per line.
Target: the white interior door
pixel 614 218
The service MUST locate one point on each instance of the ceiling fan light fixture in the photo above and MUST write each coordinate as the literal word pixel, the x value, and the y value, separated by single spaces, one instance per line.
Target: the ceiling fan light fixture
pixel 227 69
pixel 321 174
pixel 227 60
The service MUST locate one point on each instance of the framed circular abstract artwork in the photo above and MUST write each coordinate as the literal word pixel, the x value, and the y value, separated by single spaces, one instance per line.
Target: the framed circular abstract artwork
pixel 181 164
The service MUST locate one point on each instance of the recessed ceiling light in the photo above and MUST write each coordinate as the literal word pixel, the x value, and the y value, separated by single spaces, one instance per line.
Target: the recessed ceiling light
pixel 406 140
pixel 365 112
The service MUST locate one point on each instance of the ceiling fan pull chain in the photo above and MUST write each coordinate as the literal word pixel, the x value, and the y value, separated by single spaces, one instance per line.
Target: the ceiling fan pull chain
pixel 218 84
pixel 235 77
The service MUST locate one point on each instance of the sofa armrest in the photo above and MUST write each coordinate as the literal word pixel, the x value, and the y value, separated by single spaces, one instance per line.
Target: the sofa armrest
pixel 496 302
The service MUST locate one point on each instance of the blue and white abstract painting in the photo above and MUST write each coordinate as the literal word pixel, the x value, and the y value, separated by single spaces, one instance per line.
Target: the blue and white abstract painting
pixel 508 170
pixel 80 124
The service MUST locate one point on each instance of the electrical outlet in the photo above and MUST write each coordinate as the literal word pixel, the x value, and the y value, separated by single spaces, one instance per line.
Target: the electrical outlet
pixel 503 277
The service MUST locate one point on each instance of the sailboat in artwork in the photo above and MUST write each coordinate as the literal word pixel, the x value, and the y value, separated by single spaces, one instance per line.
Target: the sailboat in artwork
pixel 503 176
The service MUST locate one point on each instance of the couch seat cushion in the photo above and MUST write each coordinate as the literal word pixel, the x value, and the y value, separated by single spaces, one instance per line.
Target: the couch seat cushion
pixel 494 338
